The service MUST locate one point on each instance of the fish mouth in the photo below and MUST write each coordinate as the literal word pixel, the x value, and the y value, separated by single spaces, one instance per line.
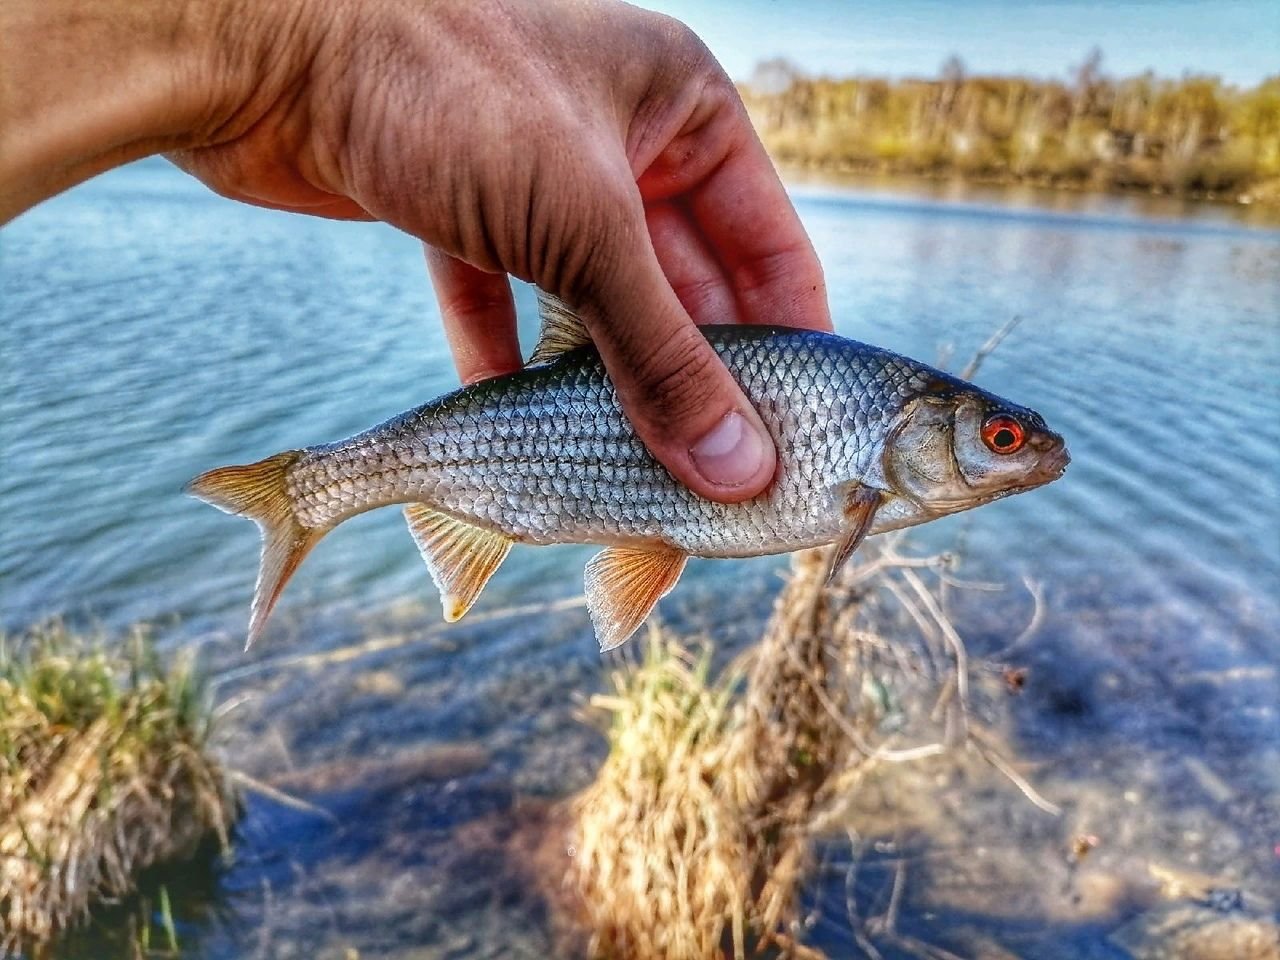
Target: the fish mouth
pixel 1050 467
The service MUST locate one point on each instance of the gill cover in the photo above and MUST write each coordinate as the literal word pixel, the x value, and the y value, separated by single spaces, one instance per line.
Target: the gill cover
pixel 956 451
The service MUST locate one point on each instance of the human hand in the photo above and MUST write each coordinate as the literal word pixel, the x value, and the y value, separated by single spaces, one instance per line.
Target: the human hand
pixel 592 148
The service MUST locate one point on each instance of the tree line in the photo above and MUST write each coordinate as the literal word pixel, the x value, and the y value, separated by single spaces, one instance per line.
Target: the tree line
pixel 1193 136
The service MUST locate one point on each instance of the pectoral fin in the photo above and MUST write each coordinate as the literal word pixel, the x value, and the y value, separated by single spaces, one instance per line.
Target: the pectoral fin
pixel 562 329
pixel 460 557
pixel 624 583
pixel 860 507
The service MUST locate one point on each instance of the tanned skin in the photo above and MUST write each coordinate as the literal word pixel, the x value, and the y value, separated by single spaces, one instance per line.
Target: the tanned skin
pixel 587 146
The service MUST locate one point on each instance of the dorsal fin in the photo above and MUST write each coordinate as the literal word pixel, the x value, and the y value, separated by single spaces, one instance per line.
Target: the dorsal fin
pixel 562 329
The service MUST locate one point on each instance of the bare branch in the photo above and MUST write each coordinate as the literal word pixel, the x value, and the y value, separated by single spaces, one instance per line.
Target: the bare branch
pixel 971 369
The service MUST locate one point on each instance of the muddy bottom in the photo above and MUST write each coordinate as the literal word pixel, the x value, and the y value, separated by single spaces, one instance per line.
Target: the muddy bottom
pixel 401 778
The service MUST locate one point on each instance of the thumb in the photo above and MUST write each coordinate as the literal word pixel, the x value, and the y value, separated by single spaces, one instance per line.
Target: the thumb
pixel 682 401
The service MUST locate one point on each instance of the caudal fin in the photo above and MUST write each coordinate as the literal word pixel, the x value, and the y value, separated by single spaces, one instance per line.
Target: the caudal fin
pixel 258 491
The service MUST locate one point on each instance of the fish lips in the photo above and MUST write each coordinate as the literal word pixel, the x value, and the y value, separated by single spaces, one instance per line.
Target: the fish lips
pixel 1051 466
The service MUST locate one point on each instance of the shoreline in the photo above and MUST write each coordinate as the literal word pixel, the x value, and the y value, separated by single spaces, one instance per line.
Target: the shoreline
pixel 843 172
pixel 1191 137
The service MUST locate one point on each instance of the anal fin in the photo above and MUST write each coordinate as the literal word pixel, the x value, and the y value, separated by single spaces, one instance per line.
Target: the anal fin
pixel 860 507
pixel 624 583
pixel 460 557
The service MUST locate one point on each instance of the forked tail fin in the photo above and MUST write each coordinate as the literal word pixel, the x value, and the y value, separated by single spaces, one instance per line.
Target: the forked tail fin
pixel 259 491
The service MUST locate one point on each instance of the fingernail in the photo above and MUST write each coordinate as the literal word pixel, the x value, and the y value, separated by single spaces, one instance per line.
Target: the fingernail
pixel 730 454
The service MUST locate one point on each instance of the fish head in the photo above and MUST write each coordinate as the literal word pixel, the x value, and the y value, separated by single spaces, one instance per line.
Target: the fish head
pixel 957 447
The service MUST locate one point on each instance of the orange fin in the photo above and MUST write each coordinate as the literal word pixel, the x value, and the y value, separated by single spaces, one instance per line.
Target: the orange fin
pixel 623 585
pixel 860 507
pixel 258 491
pixel 562 329
pixel 460 557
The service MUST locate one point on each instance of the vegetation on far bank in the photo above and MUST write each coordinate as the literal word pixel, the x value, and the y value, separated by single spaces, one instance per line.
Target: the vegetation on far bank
pixel 1190 137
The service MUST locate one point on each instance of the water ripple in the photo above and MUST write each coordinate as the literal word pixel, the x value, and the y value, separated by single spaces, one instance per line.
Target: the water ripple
pixel 153 330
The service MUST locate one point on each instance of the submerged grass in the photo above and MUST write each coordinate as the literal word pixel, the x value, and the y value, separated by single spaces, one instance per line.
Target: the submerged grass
pixel 103 772
pixel 696 836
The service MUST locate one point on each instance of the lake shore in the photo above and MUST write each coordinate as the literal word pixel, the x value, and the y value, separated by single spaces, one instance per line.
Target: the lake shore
pixel 1264 196
pixel 1193 137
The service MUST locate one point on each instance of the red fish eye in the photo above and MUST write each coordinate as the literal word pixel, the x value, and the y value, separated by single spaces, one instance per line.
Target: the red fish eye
pixel 1003 434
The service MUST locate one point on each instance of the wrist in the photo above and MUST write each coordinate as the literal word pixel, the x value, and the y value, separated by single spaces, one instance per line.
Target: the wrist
pixel 86 85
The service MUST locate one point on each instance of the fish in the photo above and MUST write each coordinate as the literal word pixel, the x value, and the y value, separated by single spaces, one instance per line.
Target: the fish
pixel 868 441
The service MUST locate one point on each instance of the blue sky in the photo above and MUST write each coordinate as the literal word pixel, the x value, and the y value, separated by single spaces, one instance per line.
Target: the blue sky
pixel 1239 40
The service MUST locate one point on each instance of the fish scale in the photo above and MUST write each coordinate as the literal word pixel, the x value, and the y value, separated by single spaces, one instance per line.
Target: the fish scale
pixel 548 456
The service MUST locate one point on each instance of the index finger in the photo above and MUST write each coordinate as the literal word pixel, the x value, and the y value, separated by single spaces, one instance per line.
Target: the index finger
pixel 753 228
pixel 718 169
pixel 478 314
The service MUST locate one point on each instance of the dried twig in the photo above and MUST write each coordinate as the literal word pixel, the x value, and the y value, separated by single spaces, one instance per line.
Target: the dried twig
pixel 971 368
pixel 994 757
pixel 280 797
pixel 1037 618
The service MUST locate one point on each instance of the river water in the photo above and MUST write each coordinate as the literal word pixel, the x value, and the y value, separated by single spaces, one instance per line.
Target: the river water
pixel 152 330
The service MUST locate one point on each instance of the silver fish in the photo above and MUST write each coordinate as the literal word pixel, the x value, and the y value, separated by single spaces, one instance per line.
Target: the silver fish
pixel 868 441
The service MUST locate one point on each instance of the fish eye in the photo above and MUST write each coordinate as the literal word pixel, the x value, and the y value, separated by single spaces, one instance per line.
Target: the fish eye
pixel 1003 434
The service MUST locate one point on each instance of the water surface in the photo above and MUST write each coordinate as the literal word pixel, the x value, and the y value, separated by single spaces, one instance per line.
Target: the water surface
pixel 152 330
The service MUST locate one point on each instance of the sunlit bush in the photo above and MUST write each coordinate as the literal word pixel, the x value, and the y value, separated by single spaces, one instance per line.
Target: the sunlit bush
pixel 1193 135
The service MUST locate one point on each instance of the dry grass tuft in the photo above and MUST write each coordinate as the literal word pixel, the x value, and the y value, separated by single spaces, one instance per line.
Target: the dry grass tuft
pixel 659 829
pixel 696 836
pixel 103 772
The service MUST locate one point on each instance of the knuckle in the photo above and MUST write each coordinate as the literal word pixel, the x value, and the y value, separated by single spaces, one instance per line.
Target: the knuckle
pixel 582 272
pixel 580 258
pixel 686 90
pixel 677 377
pixel 671 60
pixel 762 272
pixel 674 43
pixel 703 298
pixel 788 269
